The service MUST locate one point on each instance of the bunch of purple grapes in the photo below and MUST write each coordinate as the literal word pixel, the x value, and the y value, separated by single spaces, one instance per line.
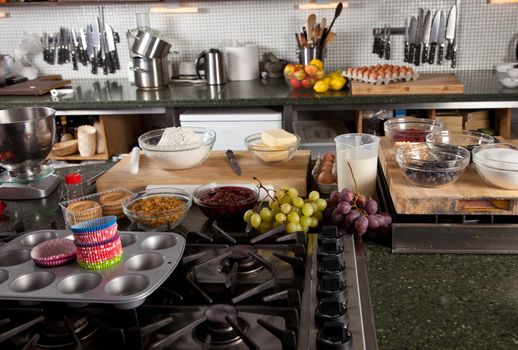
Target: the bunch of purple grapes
pixel 356 213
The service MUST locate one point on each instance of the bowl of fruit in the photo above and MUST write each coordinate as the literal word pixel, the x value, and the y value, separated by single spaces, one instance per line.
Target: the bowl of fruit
pixel 410 129
pixel 300 77
pixel 225 201
pixel 432 164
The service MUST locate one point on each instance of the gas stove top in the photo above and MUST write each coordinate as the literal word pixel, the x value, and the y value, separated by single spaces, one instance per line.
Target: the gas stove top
pixel 231 291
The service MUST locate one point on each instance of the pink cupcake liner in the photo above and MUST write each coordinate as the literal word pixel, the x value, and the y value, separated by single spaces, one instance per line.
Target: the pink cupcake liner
pixel 86 245
pixel 102 252
pixel 53 252
pixel 101 264
pixel 54 263
pixel 102 234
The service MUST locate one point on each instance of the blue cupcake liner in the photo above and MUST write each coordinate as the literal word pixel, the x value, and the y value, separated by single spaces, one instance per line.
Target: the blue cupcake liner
pixel 96 244
pixel 94 224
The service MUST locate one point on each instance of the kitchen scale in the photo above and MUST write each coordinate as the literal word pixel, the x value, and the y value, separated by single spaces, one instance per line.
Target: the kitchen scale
pixel 26 139
pixel 40 185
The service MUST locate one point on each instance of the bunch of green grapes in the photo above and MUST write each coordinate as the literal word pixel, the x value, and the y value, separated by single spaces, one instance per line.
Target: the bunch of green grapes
pixel 297 213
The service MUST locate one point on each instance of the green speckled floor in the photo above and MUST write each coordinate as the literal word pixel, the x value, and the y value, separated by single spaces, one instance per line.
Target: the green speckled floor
pixel 444 301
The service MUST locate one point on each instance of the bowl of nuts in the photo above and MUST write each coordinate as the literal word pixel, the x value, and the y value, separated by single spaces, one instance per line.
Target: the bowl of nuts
pixel 225 201
pixel 158 208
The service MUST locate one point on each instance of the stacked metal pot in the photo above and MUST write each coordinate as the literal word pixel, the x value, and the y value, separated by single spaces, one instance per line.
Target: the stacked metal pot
pixel 150 62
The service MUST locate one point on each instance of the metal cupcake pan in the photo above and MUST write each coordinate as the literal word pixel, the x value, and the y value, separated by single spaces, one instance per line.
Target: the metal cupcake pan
pixel 148 260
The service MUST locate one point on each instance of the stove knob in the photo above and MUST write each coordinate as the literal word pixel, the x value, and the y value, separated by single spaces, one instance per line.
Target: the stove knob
pixel 331 265
pixel 334 336
pixel 329 247
pixel 332 286
pixel 330 309
pixel 328 232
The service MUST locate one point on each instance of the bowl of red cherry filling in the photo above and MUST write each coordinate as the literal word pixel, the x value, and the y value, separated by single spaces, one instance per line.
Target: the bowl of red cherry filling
pixel 410 129
pixel 226 201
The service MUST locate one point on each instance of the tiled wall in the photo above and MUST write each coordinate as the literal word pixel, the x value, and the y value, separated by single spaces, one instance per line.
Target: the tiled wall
pixel 487 32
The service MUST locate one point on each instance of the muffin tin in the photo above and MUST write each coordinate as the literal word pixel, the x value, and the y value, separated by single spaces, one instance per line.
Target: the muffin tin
pixel 148 260
pixel 112 208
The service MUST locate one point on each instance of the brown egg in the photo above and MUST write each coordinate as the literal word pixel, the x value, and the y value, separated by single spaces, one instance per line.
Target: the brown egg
pixel 328 162
pixel 325 178
pixel 329 156
pixel 327 168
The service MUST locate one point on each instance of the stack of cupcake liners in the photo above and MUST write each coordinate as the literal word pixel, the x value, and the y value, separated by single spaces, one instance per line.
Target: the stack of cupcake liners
pixel 98 243
pixel 54 252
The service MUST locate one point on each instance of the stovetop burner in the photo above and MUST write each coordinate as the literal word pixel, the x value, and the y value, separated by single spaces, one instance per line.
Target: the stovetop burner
pixel 222 326
pixel 241 261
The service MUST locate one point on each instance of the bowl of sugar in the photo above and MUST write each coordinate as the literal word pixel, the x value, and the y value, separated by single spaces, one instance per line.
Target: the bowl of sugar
pixel 177 148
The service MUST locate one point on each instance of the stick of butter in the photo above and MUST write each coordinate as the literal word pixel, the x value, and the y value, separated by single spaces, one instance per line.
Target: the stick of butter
pixel 278 137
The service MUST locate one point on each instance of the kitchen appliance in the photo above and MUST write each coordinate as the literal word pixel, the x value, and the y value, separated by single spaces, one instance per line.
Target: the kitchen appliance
pixel 213 66
pixel 232 290
pixel 26 139
pixel 242 62
pixel 151 73
pixel 232 125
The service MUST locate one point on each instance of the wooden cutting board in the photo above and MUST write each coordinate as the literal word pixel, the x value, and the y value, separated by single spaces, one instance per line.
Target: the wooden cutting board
pixel 36 87
pixel 432 83
pixel 468 195
pixel 215 168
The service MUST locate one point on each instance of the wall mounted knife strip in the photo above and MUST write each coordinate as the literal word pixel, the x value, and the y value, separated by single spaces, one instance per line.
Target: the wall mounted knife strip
pixel 425 37
pixel 94 45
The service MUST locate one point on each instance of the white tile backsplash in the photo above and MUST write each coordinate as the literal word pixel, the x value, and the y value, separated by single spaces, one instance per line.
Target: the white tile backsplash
pixel 488 33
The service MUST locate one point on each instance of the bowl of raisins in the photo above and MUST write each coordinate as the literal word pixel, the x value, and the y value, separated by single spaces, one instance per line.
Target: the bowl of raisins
pixel 432 164
pixel 410 129
pixel 226 201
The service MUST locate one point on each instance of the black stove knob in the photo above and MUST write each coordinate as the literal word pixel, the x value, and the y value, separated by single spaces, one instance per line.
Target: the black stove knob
pixel 332 286
pixel 334 336
pixel 331 265
pixel 330 309
pixel 329 247
pixel 328 232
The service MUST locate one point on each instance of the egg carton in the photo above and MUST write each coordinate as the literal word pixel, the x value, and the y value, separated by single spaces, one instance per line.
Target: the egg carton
pixel 370 76
pixel 322 187
pixel 148 260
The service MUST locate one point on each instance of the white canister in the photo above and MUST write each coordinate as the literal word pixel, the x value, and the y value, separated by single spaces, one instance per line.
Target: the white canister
pixel 242 62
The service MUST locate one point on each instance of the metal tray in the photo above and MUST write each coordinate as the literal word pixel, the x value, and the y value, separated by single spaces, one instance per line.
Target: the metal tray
pixel 149 258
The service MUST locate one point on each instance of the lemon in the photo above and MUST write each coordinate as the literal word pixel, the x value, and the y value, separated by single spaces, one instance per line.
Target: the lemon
pixel 318 63
pixel 337 83
pixel 321 86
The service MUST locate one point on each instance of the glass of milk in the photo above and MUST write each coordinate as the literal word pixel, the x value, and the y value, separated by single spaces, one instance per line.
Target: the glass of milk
pixel 358 152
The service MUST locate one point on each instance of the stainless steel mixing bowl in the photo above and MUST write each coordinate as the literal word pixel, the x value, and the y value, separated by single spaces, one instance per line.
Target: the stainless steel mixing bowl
pixel 26 138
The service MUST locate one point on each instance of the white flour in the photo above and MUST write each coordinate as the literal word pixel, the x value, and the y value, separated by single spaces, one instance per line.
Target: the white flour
pixel 179 138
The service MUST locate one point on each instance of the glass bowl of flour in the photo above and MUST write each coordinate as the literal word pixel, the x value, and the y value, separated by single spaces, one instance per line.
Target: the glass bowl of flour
pixel 177 148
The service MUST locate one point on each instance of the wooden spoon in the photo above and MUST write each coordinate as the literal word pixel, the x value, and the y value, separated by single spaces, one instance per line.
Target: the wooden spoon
pixel 330 38
pixel 338 11
pixel 312 19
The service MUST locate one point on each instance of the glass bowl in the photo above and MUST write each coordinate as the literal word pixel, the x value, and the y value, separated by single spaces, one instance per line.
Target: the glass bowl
pixel 466 139
pixel 411 129
pixel 166 206
pixel 497 164
pixel 173 157
pixel 432 164
pixel 270 154
pixel 225 201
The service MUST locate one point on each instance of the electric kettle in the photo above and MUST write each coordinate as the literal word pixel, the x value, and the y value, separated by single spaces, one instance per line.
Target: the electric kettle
pixel 213 66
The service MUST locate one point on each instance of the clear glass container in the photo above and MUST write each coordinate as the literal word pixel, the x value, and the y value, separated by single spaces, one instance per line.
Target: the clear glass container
pixel 143 24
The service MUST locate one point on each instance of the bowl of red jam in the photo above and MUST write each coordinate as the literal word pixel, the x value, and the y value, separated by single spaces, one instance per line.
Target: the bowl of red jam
pixel 225 201
pixel 411 129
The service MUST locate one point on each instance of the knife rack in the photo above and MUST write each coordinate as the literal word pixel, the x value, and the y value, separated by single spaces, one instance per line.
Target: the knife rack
pixel 391 30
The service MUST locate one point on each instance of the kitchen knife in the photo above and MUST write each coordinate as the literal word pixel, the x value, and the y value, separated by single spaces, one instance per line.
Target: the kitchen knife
pixel 233 162
pixel 92 48
pixel 454 48
pixel 375 45
pixel 73 47
pixel 387 43
pixel 426 35
pixel 412 38
pixel 419 36
pixel 442 39
pixel 84 47
pixel 434 36
pixel 381 48
pixel 406 40
pixel 112 49
pixel 450 30
pixel 46 47
pixel 101 53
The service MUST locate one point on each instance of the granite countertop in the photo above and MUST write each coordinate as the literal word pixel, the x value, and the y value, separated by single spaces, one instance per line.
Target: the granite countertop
pixel 433 301
pixel 108 93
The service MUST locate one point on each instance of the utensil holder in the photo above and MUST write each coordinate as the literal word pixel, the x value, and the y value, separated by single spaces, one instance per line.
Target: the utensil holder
pixel 306 54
